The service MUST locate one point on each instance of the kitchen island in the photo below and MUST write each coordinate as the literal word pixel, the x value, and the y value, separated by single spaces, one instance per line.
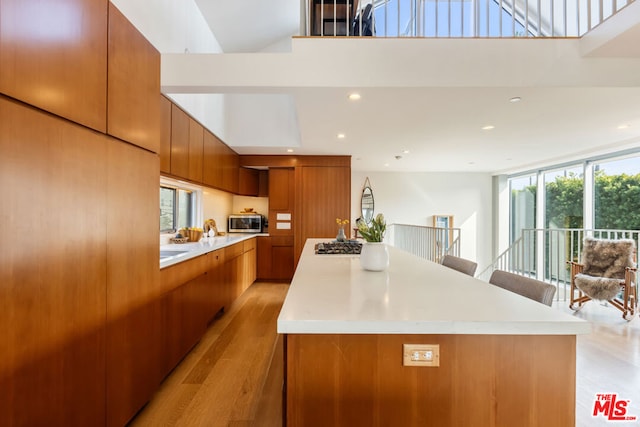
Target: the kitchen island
pixel 504 360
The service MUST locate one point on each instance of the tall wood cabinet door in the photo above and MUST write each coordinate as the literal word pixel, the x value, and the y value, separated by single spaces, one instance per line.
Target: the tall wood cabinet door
pixel 52 278
pixel 281 201
pixel 263 257
pixel 212 161
pixel 54 56
pixel 179 142
pixel 133 85
pixel 165 135
pixel 134 340
pixel 281 189
pixel 325 194
pixel 196 138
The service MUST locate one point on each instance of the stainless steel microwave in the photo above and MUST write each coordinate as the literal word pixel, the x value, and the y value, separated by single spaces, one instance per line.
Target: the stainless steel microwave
pixel 245 223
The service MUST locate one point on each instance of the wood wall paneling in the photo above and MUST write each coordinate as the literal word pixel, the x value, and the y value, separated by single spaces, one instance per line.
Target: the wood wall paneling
pixel 54 56
pixel 179 142
pixel 196 152
pixel 134 100
pixel 165 135
pixel 482 380
pixel 53 270
pixel 322 195
pixel 134 340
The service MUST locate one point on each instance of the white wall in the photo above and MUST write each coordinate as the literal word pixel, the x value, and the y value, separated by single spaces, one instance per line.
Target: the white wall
pixel 259 204
pixel 216 205
pixel 413 198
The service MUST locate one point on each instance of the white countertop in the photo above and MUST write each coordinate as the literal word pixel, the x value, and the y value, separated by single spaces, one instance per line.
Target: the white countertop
pixel 332 294
pixel 192 250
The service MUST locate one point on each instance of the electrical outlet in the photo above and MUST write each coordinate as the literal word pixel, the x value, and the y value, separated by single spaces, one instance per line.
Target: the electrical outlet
pixel 421 354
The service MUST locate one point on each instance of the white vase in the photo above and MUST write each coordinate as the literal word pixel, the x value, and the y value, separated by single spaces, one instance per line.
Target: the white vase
pixel 374 256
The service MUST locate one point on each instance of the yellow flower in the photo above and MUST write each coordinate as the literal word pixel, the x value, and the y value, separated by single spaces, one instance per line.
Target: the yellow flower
pixel 342 221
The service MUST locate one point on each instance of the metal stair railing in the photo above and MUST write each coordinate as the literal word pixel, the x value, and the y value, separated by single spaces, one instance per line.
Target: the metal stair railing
pixel 430 243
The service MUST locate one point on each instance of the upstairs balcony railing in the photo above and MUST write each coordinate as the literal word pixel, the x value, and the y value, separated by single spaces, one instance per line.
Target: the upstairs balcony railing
pixel 458 18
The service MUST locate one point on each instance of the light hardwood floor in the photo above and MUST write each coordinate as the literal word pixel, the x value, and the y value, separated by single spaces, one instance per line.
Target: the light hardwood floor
pixel 608 361
pixel 234 376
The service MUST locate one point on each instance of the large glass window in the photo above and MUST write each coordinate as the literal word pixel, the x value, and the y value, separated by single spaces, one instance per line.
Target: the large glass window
pixel 564 195
pixel 177 208
pixel 523 205
pixel 617 194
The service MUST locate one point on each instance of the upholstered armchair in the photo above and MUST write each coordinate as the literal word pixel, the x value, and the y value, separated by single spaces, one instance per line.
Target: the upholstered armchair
pixel 607 273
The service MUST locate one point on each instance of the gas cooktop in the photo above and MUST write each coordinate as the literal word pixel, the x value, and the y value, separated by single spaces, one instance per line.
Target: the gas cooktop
pixel 338 248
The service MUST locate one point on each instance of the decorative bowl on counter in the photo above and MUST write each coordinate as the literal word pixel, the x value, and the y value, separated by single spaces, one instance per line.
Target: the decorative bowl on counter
pixel 194 235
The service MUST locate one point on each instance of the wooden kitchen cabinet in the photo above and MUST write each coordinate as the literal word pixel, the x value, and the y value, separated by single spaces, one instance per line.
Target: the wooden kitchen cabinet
pixel 165 135
pixel 52 287
pixel 281 201
pixel 249 263
pixel 275 258
pixel 248 181
pixel 54 56
pixel 281 189
pixel 134 340
pixel 196 151
pixel 230 170
pixel 182 284
pixel 212 162
pixel 134 100
pixel 180 123
pixel 282 259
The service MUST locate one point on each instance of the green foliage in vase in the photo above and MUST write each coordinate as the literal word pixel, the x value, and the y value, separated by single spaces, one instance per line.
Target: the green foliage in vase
pixel 375 231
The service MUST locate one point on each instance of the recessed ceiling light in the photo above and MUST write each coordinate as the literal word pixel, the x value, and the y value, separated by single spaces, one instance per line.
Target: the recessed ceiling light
pixel 354 96
pixel 386 165
pixel 405 151
pixel 488 127
pixel 624 126
pixel 289 150
pixel 515 99
pixel 341 136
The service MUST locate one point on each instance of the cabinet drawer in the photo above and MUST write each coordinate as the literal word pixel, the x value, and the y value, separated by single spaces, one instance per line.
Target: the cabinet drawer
pixel 216 258
pixel 234 250
pixel 249 244
pixel 175 275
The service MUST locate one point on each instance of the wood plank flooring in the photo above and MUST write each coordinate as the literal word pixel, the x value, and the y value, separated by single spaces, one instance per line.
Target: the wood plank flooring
pixel 234 376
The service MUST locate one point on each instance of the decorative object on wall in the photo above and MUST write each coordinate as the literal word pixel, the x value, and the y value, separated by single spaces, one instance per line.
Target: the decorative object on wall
pixel 374 255
pixel 366 203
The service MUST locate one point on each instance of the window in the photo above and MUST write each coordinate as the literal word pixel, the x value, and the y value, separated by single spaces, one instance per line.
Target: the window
pixel 177 208
pixel 564 191
pixel 617 194
pixel 523 204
